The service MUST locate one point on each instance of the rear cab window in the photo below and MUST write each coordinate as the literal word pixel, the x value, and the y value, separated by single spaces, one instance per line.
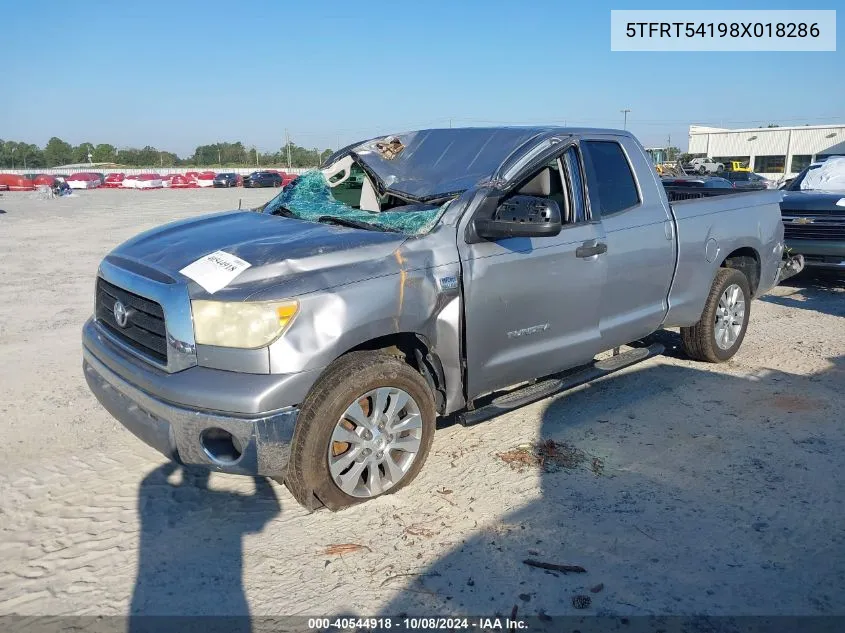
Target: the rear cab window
pixel 610 180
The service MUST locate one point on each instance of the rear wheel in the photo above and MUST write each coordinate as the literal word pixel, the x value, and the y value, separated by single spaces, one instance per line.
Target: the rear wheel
pixel 719 333
pixel 364 430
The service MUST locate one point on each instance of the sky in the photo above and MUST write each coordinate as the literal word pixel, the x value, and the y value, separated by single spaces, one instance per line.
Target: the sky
pixel 175 75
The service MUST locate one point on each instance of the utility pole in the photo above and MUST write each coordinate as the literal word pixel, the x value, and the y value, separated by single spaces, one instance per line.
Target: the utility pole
pixel 625 123
pixel 219 160
pixel 287 145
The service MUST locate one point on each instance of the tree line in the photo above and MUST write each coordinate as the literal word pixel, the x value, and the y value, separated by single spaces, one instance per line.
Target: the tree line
pixel 18 155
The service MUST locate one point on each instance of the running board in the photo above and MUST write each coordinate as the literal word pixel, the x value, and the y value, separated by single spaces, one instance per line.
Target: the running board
pixel 558 383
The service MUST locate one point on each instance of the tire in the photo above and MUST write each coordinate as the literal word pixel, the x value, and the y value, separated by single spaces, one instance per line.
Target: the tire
pixel 702 170
pixel 700 340
pixel 345 383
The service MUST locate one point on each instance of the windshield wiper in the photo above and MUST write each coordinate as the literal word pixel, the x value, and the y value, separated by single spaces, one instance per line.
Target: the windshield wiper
pixel 283 211
pixel 355 224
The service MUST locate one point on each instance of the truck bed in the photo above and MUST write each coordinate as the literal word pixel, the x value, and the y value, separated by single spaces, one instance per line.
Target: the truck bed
pixel 711 229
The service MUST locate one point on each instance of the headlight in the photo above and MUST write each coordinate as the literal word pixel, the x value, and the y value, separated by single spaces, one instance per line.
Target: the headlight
pixel 241 324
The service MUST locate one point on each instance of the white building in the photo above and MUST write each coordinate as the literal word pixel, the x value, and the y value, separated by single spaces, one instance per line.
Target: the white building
pixel 773 152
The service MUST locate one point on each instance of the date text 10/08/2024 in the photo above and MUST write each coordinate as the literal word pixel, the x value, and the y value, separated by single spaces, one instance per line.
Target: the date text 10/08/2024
pixel 418 623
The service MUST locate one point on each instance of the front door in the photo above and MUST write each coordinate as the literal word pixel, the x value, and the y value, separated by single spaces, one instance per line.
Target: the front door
pixel 640 239
pixel 532 304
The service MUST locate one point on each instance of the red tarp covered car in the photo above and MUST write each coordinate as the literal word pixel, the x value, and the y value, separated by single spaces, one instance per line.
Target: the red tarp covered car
pixel 84 180
pixel 17 183
pixel 114 180
pixel 182 182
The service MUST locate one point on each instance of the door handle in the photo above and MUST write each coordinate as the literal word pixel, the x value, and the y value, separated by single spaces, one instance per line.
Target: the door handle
pixel 590 249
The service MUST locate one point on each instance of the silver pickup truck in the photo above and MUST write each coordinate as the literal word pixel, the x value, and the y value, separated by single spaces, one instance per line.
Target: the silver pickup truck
pixel 454 272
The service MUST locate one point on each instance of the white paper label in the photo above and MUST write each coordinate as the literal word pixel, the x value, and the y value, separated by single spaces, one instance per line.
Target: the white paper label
pixel 216 270
pixel 840 202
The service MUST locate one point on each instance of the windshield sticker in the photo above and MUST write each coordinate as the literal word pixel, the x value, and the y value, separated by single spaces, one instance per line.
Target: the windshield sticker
pixel 215 271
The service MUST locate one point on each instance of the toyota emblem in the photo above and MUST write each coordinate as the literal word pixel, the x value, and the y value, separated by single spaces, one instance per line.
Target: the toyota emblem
pixel 121 316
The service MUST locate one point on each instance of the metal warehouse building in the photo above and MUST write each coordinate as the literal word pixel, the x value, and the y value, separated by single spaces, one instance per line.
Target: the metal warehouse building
pixel 773 152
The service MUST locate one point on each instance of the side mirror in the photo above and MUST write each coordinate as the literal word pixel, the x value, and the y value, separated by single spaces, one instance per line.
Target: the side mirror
pixel 521 216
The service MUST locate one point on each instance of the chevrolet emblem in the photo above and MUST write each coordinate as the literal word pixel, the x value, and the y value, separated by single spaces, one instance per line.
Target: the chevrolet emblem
pixel 802 220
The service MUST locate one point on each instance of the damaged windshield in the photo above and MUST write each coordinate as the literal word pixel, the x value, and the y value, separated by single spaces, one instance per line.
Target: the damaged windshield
pixel 310 198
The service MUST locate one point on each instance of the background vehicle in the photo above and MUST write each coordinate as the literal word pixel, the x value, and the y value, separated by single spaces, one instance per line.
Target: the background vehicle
pixel 228 179
pixel 706 166
pixel 814 217
pixel 114 180
pixel 706 182
pixel 692 187
pixel 84 180
pixel 148 181
pixel 747 180
pixel 44 179
pixel 263 179
pixel 737 165
pixel 328 336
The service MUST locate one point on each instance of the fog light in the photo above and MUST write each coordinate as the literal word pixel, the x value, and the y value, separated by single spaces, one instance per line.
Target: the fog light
pixel 220 446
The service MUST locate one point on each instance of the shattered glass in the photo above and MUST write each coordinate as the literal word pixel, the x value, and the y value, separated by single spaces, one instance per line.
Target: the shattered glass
pixel 309 198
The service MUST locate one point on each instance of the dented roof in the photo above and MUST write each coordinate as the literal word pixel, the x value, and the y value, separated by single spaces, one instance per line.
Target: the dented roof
pixel 428 164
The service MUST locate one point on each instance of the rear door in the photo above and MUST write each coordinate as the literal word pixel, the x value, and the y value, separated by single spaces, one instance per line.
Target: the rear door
pixel 639 234
pixel 531 304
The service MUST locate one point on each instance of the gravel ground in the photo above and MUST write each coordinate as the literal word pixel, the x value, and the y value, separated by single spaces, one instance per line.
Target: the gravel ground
pixel 687 488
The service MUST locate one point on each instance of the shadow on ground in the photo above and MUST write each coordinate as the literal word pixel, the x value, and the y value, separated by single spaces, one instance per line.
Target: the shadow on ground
pixel 814 290
pixel 727 505
pixel 190 559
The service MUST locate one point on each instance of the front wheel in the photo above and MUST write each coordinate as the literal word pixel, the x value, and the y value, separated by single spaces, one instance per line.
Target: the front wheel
pixel 364 430
pixel 719 333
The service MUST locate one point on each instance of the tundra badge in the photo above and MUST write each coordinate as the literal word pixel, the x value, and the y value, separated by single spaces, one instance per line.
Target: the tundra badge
pixel 528 330
pixel 448 283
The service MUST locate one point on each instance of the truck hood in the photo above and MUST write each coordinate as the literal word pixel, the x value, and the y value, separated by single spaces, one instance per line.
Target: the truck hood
pixel 297 255
pixel 813 201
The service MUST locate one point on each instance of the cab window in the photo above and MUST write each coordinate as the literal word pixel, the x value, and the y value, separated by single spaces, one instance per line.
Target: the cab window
pixel 560 180
pixel 609 176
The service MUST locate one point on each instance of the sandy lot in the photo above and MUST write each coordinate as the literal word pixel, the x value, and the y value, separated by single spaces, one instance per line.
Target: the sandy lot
pixel 692 488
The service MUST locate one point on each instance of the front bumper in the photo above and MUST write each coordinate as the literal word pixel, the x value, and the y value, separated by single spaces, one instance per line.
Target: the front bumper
pixel 828 254
pixel 182 433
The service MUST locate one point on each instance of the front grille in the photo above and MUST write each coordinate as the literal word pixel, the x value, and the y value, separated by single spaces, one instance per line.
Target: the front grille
pixel 144 330
pixel 821 228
